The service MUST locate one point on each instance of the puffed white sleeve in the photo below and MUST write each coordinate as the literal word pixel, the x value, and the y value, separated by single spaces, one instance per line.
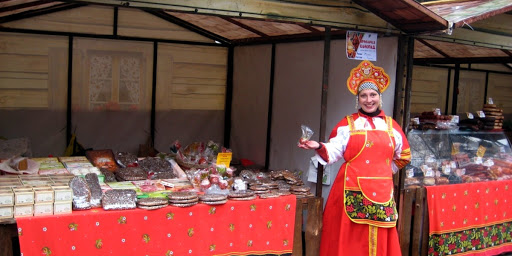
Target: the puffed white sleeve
pixel 334 149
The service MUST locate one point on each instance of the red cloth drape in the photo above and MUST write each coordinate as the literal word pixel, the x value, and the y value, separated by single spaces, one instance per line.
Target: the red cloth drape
pixel 257 227
pixel 470 218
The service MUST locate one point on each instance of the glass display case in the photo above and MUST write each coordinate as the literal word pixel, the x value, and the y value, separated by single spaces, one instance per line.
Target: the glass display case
pixel 451 156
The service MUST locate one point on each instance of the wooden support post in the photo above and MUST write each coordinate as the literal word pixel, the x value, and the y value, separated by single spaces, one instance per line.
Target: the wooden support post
pixel 313 231
pixel 405 219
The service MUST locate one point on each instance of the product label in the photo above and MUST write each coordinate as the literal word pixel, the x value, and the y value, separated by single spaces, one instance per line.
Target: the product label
pixel 7 199
pixel 63 195
pixel 224 159
pixel 481 151
pixel 6 212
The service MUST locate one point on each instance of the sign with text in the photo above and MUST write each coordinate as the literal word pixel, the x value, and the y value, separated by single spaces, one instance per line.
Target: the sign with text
pixel 361 45
pixel 224 159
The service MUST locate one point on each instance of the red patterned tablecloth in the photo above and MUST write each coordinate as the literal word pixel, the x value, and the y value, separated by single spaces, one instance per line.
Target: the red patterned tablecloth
pixel 257 227
pixel 470 218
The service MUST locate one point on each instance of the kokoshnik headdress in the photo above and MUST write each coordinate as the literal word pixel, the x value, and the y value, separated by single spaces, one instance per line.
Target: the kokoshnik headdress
pixel 367 76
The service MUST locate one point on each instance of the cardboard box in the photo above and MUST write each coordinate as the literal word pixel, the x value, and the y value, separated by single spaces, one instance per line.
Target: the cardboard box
pixel 62 207
pixel 6 197
pixel 23 210
pixel 43 209
pixel 6 212
pixel 23 196
pixel 62 194
pixel 43 195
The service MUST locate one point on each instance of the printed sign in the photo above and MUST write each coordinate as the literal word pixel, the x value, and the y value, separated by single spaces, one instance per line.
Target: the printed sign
pixel 361 45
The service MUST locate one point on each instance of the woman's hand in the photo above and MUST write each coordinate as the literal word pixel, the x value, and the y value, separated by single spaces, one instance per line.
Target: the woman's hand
pixel 310 144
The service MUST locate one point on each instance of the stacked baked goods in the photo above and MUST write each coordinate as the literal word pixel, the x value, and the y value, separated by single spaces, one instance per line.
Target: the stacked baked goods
pixel 493 117
pixel 241 195
pixel 213 199
pixel 152 203
pixel 183 198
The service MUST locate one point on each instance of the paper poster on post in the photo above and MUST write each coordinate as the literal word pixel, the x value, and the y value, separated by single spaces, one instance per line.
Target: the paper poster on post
pixel 312 172
pixel 361 45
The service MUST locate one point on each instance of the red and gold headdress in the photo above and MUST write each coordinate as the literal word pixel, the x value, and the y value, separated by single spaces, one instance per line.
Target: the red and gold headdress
pixel 367 72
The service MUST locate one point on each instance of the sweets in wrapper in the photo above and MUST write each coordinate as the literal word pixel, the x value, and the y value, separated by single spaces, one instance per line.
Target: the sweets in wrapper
pixel 126 159
pixel 306 134
pixel 119 199
pixel 157 168
pixel 130 174
pixel 94 186
pixel 81 193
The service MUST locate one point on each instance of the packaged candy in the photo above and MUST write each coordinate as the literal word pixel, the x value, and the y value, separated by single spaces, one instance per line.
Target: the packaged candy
pixel 306 134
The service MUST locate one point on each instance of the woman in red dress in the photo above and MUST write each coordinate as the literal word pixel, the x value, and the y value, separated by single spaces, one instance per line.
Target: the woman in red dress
pixel 360 213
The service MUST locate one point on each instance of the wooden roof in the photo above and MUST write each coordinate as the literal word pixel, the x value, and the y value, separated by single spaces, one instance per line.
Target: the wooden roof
pixel 242 22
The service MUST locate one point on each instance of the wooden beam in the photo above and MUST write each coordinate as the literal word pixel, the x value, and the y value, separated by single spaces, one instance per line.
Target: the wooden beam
pixel 242 25
pixel 433 48
pixel 344 14
pixel 42 11
pixel 187 25
pixel 423 61
pixel 475 38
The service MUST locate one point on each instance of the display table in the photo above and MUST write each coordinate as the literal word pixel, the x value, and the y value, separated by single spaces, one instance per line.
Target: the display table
pixel 256 227
pixel 470 218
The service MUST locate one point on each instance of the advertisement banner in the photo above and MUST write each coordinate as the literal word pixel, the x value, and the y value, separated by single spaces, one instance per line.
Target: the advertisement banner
pixel 361 45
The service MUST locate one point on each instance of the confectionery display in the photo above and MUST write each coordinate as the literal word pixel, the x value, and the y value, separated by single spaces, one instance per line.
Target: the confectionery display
pixel 441 157
pixel 120 181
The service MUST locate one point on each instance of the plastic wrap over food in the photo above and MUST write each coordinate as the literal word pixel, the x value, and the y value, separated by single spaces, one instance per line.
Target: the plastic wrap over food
pixel 109 176
pixel 126 159
pixel 119 199
pixel 157 166
pixel 94 186
pixel 81 193
pixel 131 174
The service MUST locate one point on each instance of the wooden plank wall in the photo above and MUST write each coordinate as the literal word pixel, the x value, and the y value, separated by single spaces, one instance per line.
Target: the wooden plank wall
pixel 31 73
pixel 191 77
pixel 429 90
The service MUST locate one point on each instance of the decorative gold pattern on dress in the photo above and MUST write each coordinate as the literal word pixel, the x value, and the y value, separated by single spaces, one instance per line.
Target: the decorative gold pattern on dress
pixel 372 239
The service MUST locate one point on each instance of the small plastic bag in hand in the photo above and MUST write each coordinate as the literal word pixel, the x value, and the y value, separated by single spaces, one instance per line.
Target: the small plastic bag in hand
pixel 306 134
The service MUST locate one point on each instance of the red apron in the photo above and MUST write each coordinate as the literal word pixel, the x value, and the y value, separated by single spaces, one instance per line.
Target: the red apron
pixel 368 176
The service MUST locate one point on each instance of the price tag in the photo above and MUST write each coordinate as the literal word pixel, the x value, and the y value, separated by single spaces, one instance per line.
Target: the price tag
pixel 224 158
pixel 455 148
pixel 480 152
pixel 470 115
pixel 455 119
pixel 481 114
pixel 490 101
pixel 437 111
pixel 416 120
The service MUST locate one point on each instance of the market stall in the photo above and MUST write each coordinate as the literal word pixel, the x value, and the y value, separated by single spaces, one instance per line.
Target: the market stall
pixel 456 196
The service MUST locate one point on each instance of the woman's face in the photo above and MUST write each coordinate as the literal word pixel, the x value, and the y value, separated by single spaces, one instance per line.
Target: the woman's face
pixel 369 100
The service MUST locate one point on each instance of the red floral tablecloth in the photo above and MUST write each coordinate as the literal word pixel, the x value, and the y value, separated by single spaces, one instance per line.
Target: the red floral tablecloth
pixel 257 227
pixel 470 218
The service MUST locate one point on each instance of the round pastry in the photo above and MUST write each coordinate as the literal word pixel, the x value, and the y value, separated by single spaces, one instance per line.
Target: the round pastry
pixel 183 201
pixel 183 204
pixel 154 207
pixel 215 202
pixel 212 197
pixel 247 198
pixel 299 189
pixel 283 192
pixel 182 195
pixel 269 195
pixel 240 194
pixel 152 201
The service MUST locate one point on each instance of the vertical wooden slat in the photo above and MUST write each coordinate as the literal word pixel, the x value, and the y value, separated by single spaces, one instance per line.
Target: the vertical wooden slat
pixel 7 233
pixel 405 219
pixel 425 231
pixel 297 238
pixel 419 212
pixel 314 226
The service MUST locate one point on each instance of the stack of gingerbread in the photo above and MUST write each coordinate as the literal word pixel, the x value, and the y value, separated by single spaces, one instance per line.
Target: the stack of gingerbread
pixel 493 117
